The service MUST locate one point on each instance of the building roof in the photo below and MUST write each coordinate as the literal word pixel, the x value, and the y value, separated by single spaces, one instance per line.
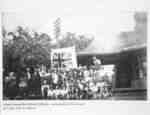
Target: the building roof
pixel 96 49
pixel 125 41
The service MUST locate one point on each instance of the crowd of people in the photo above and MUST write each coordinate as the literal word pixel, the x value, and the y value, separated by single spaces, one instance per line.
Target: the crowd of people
pixel 76 83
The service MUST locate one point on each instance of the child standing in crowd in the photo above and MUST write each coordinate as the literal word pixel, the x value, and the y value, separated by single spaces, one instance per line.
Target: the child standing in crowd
pixel 45 89
pixel 55 79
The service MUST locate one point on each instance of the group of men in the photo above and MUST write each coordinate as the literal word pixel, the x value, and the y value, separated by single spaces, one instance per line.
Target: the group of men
pixel 21 84
pixel 78 83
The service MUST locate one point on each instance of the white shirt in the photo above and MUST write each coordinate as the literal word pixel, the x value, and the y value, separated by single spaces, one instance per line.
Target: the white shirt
pixel 42 73
pixel 55 78
pixel 50 92
pixel 28 75
pixel 101 84
pixel 99 74
pixel 80 86
pixel 97 62
pixel 94 88
pixel 86 73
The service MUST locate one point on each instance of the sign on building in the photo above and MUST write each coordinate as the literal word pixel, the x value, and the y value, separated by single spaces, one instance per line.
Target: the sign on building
pixel 63 58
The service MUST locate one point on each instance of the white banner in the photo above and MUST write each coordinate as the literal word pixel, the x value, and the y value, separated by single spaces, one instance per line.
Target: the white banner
pixel 63 58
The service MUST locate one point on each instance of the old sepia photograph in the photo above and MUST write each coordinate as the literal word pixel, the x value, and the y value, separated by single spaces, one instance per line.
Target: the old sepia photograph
pixel 74 57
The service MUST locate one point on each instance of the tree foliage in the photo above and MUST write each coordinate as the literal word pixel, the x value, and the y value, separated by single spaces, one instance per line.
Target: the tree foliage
pixel 79 41
pixel 29 48
pixel 25 49
pixel 57 28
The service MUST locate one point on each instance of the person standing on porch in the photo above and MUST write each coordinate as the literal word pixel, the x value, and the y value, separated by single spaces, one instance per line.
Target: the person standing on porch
pixel 97 62
pixel 97 66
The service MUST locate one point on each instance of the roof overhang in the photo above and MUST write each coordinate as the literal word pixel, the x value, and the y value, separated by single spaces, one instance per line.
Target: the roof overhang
pixel 126 49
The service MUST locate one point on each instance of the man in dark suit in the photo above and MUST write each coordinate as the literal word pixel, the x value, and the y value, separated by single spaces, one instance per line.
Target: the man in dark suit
pixel 35 83
pixel 28 76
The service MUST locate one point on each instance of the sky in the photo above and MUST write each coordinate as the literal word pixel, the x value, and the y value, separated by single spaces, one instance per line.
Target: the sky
pixel 98 24
pixel 100 18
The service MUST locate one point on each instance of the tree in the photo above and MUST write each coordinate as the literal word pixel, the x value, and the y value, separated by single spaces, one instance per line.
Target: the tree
pixel 57 28
pixel 79 41
pixel 25 50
